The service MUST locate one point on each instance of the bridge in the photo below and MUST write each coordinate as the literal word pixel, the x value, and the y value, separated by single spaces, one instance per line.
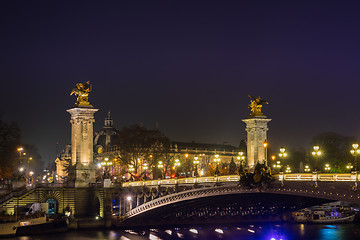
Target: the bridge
pixel 201 199
pixel 173 200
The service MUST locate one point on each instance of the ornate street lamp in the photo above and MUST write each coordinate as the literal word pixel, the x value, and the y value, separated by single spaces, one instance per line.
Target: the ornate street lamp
pixel 355 151
pixel 196 163
pixel 327 167
pixel 20 149
pixel 307 168
pixel 316 153
pixel 161 167
pixel 282 156
pixel 265 145
pixel 177 163
pixel 217 161
pixel 241 157
pixel 349 167
pixel 277 165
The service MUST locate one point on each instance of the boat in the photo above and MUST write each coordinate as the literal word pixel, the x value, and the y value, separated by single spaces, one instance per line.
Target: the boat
pixel 41 225
pixel 8 228
pixel 324 216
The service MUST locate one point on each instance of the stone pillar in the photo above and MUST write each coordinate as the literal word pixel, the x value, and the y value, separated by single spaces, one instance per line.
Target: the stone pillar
pixel 83 168
pixel 256 128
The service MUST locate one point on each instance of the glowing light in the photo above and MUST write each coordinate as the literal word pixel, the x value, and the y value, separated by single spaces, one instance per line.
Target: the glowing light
pixel 128 198
pixel 218 230
pixel 194 231
pixel 180 235
pixel 177 162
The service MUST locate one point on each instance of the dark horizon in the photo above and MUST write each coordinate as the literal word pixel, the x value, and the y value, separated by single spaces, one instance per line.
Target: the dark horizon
pixel 188 66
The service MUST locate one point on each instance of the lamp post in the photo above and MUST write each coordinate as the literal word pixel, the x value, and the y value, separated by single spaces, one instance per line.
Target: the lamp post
pixel 327 167
pixel 355 151
pixel 20 149
pixel 131 169
pixel 129 205
pixel 186 164
pixel 176 165
pixel 217 161
pixel 277 166
pixel 145 167
pixel 196 162
pixel 349 167
pixel 316 153
pixel 307 168
pixel 265 145
pixel 30 158
pixel 241 157
pixel 282 156
pixel 161 167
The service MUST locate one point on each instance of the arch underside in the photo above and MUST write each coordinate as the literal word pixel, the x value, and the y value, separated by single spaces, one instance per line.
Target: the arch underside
pixel 238 207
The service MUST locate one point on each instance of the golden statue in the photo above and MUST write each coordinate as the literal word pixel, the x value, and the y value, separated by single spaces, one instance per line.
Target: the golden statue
pixel 82 91
pixel 256 105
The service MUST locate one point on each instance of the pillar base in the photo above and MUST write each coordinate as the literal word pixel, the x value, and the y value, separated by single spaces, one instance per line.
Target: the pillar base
pixel 256 128
pixel 82 175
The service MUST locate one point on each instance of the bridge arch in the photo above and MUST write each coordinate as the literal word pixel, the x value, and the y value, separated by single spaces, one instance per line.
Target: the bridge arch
pixel 199 197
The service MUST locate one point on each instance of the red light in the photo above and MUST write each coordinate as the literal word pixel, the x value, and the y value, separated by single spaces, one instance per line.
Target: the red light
pixel 136 175
pixel 173 175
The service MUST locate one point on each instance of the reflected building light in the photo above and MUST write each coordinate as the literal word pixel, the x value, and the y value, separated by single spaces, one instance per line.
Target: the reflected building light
pixel 168 232
pixel 194 231
pixel 154 237
pixel 250 230
pixel 180 235
pixel 218 230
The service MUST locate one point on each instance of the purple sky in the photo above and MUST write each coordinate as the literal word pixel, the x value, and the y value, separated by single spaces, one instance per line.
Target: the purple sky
pixel 188 65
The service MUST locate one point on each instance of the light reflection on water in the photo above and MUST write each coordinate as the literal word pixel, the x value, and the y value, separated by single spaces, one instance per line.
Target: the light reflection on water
pixel 265 231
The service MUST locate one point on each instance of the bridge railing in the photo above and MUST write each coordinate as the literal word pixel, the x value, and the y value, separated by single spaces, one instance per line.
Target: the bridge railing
pixel 322 177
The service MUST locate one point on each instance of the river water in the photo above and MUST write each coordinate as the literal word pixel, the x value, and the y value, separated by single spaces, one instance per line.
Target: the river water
pixel 263 231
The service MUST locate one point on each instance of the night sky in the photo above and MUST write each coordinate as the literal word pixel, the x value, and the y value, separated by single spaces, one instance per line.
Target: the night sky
pixel 188 65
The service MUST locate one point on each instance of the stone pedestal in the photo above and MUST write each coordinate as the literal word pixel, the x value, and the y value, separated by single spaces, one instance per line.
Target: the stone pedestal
pixel 256 128
pixel 83 168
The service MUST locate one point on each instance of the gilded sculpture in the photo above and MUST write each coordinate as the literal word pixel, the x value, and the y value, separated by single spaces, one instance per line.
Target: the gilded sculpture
pixel 256 105
pixel 82 91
